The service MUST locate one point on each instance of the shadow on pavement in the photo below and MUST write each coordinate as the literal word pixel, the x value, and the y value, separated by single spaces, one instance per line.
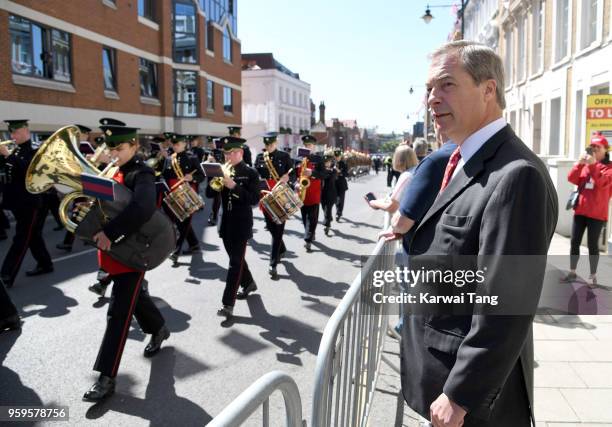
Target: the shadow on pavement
pixel 13 392
pixel 314 285
pixel 160 405
pixel 279 330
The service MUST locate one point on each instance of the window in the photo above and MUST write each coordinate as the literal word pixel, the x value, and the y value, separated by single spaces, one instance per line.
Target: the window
pixel 210 95
pixel 588 23
pixel 39 51
pixel 521 61
pixel 294 98
pixel 561 29
pixel 148 78
pixel 537 128
pixel 218 10
pixel 185 33
pixel 508 58
pixel 538 36
pixel 146 9
pixel 555 119
pixel 210 36
pixel 227 46
pixel 109 69
pixel 227 100
pixel 185 93
pixel 578 115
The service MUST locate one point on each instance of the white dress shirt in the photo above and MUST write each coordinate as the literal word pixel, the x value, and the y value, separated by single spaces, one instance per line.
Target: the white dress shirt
pixel 475 141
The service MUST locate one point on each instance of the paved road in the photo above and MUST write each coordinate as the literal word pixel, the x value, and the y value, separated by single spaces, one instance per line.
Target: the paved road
pixel 206 362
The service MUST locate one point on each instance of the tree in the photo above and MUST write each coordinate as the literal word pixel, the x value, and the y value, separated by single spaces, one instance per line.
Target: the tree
pixel 389 146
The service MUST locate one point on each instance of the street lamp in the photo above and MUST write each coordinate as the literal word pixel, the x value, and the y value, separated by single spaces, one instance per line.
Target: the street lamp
pixel 428 16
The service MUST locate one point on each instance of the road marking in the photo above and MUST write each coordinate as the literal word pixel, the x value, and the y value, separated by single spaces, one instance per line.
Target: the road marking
pixel 65 257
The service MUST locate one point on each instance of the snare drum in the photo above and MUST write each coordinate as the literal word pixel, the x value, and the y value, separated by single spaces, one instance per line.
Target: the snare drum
pixel 281 202
pixel 183 201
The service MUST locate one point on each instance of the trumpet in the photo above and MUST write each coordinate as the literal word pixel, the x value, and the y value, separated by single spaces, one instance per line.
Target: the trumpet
pixel 217 182
pixel 10 145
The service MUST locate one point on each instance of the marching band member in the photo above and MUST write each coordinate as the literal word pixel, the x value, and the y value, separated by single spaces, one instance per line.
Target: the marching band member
pixel 27 208
pixel 196 148
pixel 328 191
pixel 240 192
pixel 183 166
pixel 283 165
pixel 128 296
pixel 341 183
pixel 236 131
pixel 314 171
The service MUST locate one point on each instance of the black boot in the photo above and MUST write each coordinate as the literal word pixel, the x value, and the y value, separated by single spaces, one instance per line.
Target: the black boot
pixel 272 272
pixel 156 341
pixel 246 290
pixel 10 323
pixel 103 388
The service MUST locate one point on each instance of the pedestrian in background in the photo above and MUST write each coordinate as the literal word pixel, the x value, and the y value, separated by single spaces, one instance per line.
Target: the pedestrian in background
pixel 593 176
pixel 404 161
pixel 421 149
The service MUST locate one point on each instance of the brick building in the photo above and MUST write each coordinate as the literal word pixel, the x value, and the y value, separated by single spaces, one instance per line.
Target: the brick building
pixel 160 65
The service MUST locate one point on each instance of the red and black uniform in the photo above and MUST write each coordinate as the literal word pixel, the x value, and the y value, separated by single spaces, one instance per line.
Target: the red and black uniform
pixel 282 164
pixel 237 227
pixel 591 212
pixel 310 210
pixel 128 296
pixel 29 212
pixel 188 164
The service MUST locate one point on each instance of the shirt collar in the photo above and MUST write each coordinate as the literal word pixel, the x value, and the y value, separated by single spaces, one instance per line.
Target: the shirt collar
pixel 475 141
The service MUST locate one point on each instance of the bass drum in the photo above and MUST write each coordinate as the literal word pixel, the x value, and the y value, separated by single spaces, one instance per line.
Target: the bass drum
pixel 143 250
pixel 281 202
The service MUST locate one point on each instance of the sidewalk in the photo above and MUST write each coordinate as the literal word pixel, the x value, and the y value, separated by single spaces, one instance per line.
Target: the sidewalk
pixel 573 370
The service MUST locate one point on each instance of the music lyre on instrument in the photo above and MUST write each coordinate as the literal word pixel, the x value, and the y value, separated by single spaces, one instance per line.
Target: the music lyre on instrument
pixel 182 200
pixel 217 182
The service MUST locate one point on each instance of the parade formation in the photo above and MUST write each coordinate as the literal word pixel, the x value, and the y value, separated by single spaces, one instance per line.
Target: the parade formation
pixel 134 199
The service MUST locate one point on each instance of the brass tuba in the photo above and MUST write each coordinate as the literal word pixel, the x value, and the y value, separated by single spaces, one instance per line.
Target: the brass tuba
pixel 58 162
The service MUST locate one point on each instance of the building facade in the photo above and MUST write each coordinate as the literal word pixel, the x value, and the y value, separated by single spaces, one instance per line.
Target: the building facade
pixel 274 100
pixel 556 53
pixel 160 65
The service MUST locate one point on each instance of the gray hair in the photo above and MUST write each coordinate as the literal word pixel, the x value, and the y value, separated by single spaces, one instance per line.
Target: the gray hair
pixel 420 147
pixel 479 61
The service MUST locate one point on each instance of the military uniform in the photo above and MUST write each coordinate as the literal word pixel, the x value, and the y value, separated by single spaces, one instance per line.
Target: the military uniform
pixel 129 297
pixel 188 164
pixel 341 184
pixel 310 210
pixel 328 192
pixel 237 226
pixel 282 163
pixel 216 197
pixel 28 210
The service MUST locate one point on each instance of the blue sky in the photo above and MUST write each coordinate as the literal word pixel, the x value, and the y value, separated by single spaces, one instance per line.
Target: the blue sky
pixel 360 57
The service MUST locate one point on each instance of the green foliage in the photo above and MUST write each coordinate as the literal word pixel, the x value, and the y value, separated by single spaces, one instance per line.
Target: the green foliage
pixel 389 146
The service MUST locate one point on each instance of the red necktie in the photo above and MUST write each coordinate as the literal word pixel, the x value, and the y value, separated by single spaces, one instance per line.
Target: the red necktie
pixel 450 168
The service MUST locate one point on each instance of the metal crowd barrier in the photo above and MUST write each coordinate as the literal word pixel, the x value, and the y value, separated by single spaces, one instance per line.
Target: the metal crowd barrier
pixel 351 349
pixel 258 394
pixel 348 361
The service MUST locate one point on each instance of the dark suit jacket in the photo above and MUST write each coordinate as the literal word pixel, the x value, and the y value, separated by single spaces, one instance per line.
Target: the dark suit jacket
pixel 502 202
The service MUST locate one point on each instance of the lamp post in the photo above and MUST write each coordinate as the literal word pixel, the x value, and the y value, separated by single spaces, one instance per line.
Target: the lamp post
pixel 427 17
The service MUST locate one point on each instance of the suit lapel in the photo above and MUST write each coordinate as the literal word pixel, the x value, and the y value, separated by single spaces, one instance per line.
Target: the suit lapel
pixel 468 172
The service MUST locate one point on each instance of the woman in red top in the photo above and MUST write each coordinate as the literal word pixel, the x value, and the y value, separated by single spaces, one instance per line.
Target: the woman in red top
pixel 593 175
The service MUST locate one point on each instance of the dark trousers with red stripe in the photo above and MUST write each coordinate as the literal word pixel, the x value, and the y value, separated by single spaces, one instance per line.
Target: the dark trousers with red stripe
pixel 310 218
pixel 7 308
pixel 28 234
pixel 216 205
pixel 238 273
pixel 185 233
pixel 278 246
pixel 127 299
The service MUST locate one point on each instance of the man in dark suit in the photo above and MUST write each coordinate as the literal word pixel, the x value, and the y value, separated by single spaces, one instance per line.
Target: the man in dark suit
pixel 496 199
